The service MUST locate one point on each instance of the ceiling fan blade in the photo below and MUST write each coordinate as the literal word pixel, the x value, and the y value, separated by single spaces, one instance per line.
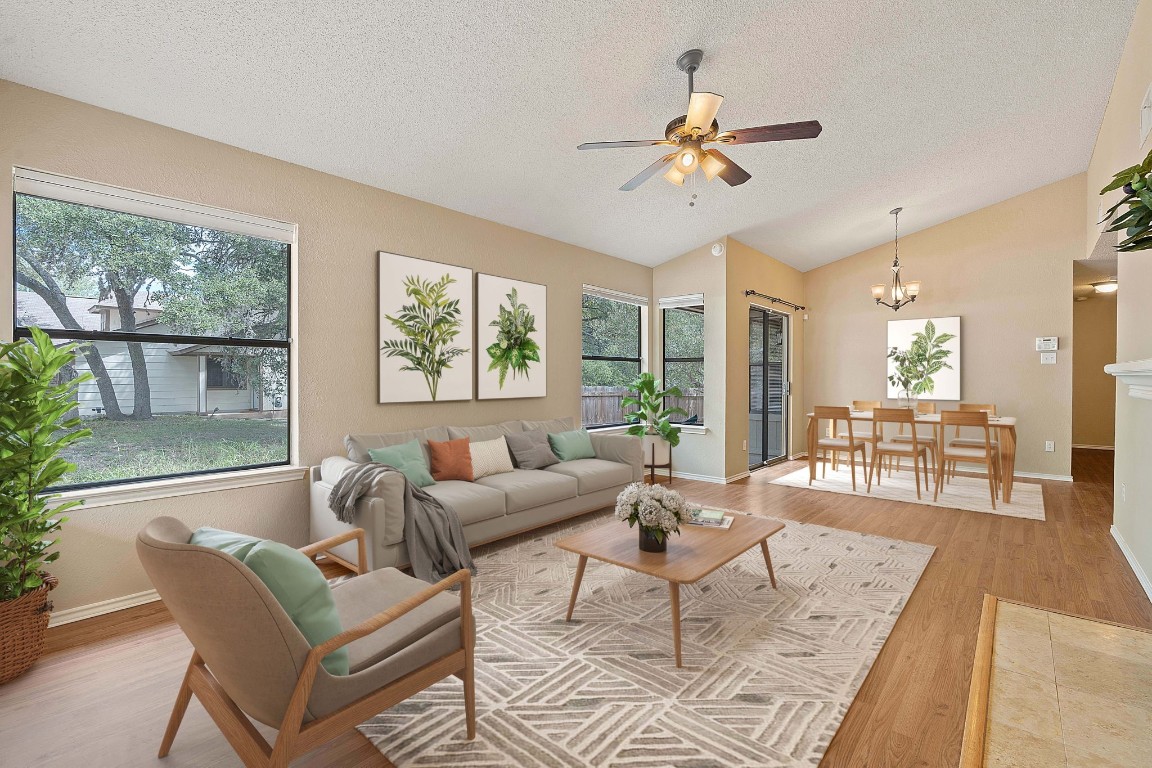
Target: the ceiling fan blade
pixel 619 144
pixel 732 174
pixel 657 167
pixel 702 109
pixel 809 129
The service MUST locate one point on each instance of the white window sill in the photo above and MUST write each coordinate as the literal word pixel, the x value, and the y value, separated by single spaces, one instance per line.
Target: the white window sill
pixel 689 429
pixel 693 429
pixel 127 493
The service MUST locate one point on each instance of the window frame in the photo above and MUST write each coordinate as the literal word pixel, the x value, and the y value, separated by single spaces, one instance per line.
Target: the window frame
pixel 641 303
pixel 676 304
pixel 93 194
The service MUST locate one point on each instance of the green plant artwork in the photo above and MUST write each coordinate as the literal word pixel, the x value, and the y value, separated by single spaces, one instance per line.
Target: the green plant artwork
pixel 916 365
pixel 1136 182
pixel 34 429
pixel 430 325
pixel 651 417
pixel 514 347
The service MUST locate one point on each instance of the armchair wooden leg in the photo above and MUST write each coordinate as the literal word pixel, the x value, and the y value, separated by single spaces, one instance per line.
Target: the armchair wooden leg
pixel 179 708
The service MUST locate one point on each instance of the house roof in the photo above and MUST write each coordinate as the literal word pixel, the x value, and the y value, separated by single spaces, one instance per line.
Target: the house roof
pixel 33 310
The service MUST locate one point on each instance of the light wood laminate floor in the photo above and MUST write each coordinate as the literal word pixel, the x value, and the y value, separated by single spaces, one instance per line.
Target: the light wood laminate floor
pixel 105 702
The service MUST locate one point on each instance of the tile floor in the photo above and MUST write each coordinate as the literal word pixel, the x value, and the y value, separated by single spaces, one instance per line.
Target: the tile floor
pixel 1069 692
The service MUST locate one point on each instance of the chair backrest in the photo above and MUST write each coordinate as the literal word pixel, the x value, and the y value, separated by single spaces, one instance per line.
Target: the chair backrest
pixel 967 419
pixel 834 413
pixel 232 619
pixel 901 416
pixel 866 405
pixel 989 408
pixel 924 407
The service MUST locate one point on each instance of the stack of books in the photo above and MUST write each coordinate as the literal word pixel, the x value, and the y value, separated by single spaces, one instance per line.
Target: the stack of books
pixel 711 518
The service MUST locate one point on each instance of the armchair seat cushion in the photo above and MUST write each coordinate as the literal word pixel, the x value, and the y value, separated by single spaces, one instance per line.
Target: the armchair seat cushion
pixel 529 488
pixel 473 502
pixel 361 598
pixel 593 474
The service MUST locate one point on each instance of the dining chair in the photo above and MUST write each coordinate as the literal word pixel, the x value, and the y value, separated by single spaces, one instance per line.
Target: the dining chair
pixel 858 405
pixel 914 448
pixel 990 409
pixel 834 445
pixel 251 661
pixel 986 453
pixel 922 409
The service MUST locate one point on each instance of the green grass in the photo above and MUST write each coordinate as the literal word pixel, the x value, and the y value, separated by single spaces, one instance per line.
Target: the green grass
pixel 164 445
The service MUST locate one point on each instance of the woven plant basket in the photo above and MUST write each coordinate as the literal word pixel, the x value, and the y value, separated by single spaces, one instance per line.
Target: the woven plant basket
pixel 22 625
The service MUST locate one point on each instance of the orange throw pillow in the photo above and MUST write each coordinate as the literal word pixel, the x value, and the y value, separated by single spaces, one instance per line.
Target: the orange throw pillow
pixel 451 460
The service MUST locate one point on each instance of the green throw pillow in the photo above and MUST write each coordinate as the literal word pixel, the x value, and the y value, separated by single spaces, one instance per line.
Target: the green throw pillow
pixel 295 582
pixel 572 445
pixel 408 458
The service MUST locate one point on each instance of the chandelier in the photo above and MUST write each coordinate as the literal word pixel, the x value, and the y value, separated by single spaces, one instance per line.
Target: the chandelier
pixel 901 294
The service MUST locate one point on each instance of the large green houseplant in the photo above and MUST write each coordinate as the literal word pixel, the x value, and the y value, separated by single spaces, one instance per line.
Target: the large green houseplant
pixel 650 416
pixel 1136 222
pixel 914 367
pixel 34 428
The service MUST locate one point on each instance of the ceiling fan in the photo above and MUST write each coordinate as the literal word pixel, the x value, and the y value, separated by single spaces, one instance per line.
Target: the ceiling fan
pixel 691 132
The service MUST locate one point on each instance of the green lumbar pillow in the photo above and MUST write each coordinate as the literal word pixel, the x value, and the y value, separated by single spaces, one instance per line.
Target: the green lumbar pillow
pixel 295 582
pixel 408 458
pixel 572 445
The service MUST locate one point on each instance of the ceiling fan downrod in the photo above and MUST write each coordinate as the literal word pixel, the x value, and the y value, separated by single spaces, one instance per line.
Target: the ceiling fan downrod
pixel 689 62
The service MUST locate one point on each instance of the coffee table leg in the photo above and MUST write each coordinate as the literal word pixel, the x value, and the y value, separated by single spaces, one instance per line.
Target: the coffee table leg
pixel 576 585
pixel 674 593
pixel 768 562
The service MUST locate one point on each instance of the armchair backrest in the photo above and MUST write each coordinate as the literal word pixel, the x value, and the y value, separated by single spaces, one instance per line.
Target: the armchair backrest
pixel 234 622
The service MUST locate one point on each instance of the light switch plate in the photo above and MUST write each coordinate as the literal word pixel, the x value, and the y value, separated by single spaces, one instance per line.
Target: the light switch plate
pixel 1049 446
pixel 1047 358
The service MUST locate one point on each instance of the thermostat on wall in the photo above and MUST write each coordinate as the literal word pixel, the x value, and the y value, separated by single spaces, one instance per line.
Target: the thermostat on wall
pixel 1047 343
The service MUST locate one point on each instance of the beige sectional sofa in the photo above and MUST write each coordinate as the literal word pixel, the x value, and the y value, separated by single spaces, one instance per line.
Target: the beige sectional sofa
pixel 490 508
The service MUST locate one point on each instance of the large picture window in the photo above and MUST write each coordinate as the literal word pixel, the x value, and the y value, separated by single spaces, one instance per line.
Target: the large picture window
pixel 683 331
pixel 612 330
pixel 181 316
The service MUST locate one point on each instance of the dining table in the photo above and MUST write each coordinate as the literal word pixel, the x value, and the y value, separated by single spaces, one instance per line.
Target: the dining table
pixel 1004 428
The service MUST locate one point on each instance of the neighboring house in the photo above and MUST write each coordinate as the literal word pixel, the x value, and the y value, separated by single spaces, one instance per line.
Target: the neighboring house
pixel 183 378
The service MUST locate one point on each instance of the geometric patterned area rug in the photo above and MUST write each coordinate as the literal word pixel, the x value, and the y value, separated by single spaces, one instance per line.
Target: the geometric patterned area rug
pixel 768 674
pixel 961 492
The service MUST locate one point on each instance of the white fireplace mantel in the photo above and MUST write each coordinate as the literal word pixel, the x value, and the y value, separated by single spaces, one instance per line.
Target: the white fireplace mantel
pixel 1137 374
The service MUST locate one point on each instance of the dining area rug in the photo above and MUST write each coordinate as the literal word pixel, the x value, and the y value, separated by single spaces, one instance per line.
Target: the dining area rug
pixel 961 492
pixel 768 674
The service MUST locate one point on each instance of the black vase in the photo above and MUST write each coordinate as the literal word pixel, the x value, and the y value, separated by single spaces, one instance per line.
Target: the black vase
pixel 649 543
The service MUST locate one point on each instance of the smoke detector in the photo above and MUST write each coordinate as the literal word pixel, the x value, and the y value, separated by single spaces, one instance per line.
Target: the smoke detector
pixel 718 249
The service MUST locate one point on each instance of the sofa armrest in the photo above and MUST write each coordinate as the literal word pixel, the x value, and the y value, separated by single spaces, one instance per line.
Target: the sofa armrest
pixel 626 449
pixel 333 467
pixel 380 510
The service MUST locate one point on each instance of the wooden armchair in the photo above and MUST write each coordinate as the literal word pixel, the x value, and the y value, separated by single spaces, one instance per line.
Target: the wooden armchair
pixel 251 661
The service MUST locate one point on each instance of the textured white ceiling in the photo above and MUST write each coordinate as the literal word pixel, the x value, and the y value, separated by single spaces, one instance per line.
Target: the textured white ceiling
pixel 940 106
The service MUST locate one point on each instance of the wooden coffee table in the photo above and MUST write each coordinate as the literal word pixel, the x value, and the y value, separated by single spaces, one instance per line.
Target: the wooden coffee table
pixel 691 556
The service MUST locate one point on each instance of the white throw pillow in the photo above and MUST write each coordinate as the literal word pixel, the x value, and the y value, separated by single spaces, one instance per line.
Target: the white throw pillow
pixel 490 457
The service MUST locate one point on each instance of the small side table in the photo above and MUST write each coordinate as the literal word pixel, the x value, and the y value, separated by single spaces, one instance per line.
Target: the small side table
pixel 652 466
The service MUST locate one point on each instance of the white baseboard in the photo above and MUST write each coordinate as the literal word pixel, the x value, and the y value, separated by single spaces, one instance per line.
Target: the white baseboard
pixel 99 609
pixel 738 476
pixel 701 478
pixel 1095 447
pixel 1137 569
pixel 796 456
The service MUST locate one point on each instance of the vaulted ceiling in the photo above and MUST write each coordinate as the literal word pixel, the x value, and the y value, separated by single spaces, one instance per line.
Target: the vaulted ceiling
pixel 943 107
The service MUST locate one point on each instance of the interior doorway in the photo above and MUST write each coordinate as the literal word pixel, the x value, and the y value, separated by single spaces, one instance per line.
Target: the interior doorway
pixel 768 387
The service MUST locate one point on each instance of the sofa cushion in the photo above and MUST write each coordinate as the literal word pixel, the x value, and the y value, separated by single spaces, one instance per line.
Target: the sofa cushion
pixel 359 445
pixel 572 445
pixel 450 460
pixel 529 488
pixel 472 501
pixel 490 457
pixel 531 449
pixel 490 432
pixel 408 458
pixel 551 425
pixel 594 474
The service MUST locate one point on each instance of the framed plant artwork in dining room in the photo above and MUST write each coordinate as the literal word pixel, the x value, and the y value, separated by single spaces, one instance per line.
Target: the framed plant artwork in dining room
pixel 511 338
pixel 426 330
pixel 924 354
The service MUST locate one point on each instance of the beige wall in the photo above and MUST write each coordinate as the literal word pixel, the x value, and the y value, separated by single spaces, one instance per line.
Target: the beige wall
pixel 341 227
pixel 697 271
pixel 1093 391
pixel 749 269
pixel 1006 271
pixel 1116 149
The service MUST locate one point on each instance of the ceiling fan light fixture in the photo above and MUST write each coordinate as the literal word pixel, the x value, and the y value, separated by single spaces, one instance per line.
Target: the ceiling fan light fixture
pixel 687 160
pixel 1108 286
pixel 675 176
pixel 711 165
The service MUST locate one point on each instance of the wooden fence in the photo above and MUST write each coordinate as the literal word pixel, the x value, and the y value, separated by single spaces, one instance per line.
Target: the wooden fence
pixel 602 405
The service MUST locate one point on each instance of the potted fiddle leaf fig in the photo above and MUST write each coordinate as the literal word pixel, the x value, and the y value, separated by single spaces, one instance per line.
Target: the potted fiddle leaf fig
pixel 651 417
pixel 1136 222
pixel 35 426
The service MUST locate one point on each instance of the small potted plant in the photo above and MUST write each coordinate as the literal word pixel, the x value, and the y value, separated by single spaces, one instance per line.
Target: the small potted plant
pixel 651 420
pixel 658 511
pixel 1136 183
pixel 915 366
pixel 34 428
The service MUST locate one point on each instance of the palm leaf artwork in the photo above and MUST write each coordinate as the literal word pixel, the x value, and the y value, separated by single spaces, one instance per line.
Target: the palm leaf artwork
pixel 926 357
pixel 429 326
pixel 514 347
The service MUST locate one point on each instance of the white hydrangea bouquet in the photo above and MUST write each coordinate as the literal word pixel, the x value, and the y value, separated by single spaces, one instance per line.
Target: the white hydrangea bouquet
pixel 657 509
